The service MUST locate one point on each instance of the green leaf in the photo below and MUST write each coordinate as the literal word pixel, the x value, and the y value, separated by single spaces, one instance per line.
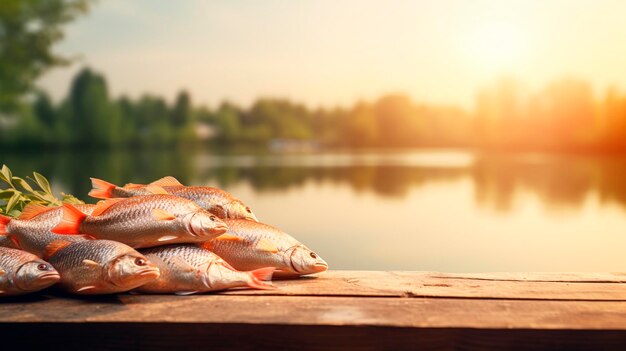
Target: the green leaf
pixel 6 175
pixel 71 199
pixel 6 194
pixel 42 182
pixel 24 184
pixel 13 200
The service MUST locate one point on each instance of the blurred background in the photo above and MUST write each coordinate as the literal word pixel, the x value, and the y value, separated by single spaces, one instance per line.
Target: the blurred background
pixel 458 136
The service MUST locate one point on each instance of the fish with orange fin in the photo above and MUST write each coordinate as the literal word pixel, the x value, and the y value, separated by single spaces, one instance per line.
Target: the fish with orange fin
pixel 31 231
pixel 85 266
pixel 251 245
pixel 22 273
pixel 143 221
pixel 217 201
pixel 188 269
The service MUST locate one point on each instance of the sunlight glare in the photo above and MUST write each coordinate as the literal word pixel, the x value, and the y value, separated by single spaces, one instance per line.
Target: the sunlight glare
pixel 496 46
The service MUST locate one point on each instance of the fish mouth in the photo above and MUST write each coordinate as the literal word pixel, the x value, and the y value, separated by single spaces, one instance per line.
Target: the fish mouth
pixel 221 229
pixel 49 276
pixel 320 267
pixel 152 272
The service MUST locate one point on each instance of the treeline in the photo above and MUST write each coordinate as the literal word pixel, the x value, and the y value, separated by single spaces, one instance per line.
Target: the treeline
pixel 563 116
pixel 89 117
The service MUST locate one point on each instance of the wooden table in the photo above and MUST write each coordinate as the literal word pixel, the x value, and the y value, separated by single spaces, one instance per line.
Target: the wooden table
pixel 340 310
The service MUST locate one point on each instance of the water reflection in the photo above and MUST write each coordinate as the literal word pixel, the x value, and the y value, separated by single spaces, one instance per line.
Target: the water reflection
pixel 414 210
pixel 560 182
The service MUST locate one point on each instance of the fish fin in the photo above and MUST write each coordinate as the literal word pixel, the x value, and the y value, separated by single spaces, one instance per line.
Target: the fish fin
pixel 133 186
pixel 101 189
pixel 162 215
pixel 15 241
pixel 263 273
pixel 33 210
pixel 266 245
pixel 2 271
pixel 91 263
pixel 155 189
pixel 4 220
pixel 54 247
pixel 1 291
pixel 183 293
pixel 70 223
pixel 104 205
pixel 229 237
pixel 88 287
pixel 183 265
pixel 167 238
pixel 258 276
pixel 167 181
pixel 207 245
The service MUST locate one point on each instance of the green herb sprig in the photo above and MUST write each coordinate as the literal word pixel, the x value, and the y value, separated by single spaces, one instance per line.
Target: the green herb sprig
pixel 20 193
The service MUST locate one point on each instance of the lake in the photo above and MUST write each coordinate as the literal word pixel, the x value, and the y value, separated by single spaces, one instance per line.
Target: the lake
pixel 441 210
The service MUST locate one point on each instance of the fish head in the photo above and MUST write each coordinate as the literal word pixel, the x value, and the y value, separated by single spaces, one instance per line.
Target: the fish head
pixel 132 270
pixel 304 261
pixel 204 224
pixel 237 209
pixel 36 275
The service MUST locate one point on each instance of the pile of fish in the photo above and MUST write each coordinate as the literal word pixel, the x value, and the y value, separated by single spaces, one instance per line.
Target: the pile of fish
pixel 162 237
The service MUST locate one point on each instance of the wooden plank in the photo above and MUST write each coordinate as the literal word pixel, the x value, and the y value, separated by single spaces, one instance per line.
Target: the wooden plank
pixel 339 310
pixel 543 286
pixel 330 311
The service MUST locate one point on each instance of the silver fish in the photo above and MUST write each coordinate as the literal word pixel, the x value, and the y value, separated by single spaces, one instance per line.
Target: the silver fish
pixel 100 266
pixel 251 245
pixel 217 201
pixel 144 221
pixel 22 272
pixel 188 269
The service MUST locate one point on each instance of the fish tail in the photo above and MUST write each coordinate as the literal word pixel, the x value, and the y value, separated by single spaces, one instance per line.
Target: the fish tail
pixel 70 223
pixel 259 278
pixel 101 189
pixel 4 220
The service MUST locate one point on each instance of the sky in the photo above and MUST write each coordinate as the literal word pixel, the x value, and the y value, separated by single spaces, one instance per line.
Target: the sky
pixel 337 52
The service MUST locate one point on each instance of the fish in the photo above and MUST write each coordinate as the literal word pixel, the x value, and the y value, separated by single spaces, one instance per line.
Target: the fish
pixel 94 267
pixel 143 221
pixel 22 273
pixel 31 231
pixel 189 269
pixel 215 200
pixel 251 245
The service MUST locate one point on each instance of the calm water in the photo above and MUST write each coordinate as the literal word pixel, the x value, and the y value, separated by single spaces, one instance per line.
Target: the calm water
pixel 453 211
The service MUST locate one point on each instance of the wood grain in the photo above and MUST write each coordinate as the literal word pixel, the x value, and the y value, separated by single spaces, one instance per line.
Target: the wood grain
pixel 340 310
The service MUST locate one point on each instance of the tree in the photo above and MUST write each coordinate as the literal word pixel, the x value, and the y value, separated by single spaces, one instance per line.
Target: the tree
pixel 94 119
pixel 28 29
pixel 181 113
pixel 44 110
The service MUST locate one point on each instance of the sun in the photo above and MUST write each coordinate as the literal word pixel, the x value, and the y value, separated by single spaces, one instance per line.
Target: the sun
pixel 496 46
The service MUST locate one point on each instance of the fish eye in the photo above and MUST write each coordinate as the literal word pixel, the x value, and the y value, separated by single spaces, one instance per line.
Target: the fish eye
pixel 213 218
pixel 42 267
pixel 312 254
pixel 140 261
